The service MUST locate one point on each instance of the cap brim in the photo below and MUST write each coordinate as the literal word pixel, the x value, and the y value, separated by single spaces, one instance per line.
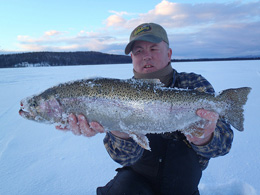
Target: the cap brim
pixel 148 38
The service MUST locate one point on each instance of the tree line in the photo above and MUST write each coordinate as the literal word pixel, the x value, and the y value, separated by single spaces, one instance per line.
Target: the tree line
pixel 60 59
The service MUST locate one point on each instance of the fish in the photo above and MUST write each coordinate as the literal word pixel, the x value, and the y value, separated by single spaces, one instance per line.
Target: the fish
pixel 134 106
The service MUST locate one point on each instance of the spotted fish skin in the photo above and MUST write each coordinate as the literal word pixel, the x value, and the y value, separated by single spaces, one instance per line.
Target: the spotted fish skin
pixel 136 107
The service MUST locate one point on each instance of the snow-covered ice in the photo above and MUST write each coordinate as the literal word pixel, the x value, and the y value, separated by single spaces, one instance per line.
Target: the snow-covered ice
pixel 38 159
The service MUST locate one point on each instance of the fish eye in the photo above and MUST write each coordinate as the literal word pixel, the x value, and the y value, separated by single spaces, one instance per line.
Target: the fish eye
pixel 34 104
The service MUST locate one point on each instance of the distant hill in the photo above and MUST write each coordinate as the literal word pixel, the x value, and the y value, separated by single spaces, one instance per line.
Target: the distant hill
pixel 60 59
pixel 35 59
pixel 215 59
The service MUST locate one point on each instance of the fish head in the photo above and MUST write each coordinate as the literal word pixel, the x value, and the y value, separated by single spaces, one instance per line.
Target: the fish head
pixel 42 110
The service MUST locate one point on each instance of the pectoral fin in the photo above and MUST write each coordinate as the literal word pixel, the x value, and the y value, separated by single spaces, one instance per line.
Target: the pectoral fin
pixel 141 140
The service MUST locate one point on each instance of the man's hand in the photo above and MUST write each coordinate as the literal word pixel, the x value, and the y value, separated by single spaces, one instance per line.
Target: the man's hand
pixel 206 126
pixel 80 126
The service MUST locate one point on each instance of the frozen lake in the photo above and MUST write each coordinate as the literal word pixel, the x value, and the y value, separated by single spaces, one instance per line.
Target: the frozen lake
pixel 38 159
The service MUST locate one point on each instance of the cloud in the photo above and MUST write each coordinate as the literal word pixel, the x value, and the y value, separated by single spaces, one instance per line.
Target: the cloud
pixel 58 41
pixel 52 33
pixel 115 20
pixel 194 30
pixel 47 37
pixel 232 40
pixel 165 8
pixel 206 29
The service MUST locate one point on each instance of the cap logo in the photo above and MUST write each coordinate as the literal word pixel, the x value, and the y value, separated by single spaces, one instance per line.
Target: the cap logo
pixel 142 29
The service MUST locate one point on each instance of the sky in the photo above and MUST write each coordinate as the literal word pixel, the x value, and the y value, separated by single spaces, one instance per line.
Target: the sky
pixel 196 28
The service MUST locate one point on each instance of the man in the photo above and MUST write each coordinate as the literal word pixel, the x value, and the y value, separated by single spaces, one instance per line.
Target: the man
pixel 175 163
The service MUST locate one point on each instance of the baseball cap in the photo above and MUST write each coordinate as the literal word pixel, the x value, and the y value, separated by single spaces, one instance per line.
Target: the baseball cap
pixel 149 32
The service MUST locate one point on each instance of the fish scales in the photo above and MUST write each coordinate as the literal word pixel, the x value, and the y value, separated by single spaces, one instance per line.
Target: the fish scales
pixel 136 107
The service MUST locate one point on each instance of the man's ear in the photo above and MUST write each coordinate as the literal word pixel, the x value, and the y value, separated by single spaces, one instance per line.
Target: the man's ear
pixel 170 54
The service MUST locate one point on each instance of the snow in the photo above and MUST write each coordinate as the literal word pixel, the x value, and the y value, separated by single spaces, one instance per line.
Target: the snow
pixel 38 159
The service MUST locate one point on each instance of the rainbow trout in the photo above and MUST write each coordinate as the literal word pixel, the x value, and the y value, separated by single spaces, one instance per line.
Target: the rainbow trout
pixel 136 107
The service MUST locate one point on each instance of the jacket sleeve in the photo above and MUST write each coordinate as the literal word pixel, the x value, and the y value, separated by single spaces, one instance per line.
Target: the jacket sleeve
pixel 124 152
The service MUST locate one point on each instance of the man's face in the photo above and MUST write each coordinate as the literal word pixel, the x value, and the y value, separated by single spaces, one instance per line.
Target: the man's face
pixel 149 57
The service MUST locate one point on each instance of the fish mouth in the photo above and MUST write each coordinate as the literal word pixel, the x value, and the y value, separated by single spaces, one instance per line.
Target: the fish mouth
pixel 30 113
pixel 25 113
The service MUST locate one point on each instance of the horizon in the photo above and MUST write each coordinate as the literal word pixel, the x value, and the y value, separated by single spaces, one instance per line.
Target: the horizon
pixel 196 28
pixel 257 57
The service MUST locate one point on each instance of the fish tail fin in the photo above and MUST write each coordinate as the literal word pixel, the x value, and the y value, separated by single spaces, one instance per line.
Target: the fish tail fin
pixel 236 99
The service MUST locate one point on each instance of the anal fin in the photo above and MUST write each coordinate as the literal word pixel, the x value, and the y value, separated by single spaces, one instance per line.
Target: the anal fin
pixel 141 140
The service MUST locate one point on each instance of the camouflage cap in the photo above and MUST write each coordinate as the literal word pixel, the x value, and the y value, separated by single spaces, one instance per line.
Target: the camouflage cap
pixel 149 32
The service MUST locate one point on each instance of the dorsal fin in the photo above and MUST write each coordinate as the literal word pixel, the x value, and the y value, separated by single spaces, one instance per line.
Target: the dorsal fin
pixel 156 82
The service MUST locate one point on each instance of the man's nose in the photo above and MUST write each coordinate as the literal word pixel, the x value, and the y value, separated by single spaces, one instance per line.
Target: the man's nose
pixel 147 55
